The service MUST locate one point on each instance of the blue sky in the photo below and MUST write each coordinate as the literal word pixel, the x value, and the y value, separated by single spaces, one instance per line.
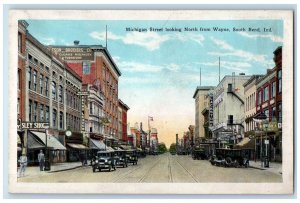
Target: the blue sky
pixel 160 70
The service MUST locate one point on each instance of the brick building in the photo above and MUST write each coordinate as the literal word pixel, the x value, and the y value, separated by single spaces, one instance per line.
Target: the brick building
pixel 122 120
pixel 47 92
pixel 269 101
pixel 94 63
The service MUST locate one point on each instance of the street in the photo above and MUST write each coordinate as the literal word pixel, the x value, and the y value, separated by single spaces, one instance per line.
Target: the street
pixel 164 168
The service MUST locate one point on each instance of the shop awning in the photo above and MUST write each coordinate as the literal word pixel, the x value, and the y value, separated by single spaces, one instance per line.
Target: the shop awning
pixel 52 142
pixel 33 142
pixel 125 147
pixel 95 144
pixel 76 146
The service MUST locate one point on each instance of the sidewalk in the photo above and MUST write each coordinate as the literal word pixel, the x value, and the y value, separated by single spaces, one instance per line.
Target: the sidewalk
pixel 274 167
pixel 57 167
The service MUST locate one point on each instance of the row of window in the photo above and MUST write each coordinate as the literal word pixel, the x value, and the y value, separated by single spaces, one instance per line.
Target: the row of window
pixel 272 115
pixel 42 87
pixel 37 63
pixel 73 100
pixel 95 109
pixel 263 95
pixel 73 122
pixel 250 101
pixel 38 112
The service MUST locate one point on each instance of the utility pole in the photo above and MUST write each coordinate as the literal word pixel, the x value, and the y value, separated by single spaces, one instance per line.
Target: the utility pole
pixel 219 70
pixel 106 36
pixel 200 76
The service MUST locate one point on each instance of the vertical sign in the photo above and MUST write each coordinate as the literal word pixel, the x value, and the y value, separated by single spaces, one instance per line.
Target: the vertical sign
pixel 211 110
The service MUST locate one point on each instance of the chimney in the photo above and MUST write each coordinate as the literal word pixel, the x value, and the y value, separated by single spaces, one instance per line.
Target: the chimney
pixel 76 42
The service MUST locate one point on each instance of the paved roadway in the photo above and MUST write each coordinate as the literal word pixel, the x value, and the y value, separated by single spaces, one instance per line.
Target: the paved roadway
pixel 161 169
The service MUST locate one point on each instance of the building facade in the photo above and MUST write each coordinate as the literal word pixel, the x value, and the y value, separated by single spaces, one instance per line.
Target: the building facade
pixel 200 104
pixel 47 93
pixel 122 121
pixel 228 107
pixel 250 103
pixel 269 102
pixel 96 66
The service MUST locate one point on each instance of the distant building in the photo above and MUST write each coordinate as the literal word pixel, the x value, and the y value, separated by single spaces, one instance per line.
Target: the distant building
pixel 228 104
pixel 200 104
pixel 122 121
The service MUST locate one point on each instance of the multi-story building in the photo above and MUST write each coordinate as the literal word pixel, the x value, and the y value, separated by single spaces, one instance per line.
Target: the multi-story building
pixel 200 104
pixel 122 121
pixel 48 94
pixel 250 103
pixel 269 101
pixel 96 66
pixel 228 104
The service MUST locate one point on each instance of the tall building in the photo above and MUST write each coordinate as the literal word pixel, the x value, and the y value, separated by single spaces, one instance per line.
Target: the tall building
pixel 47 93
pixel 228 107
pixel 96 66
pixel 122 121
pixel 200 104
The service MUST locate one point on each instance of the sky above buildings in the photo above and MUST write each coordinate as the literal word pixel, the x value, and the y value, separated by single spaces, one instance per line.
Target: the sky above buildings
pixel 161 69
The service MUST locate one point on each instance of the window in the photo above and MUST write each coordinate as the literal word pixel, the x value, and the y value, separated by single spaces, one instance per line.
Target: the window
pixel 273 91
pixel 54 114
pixel 20 42
pixel 266 93
pixel 273 113
pixel 35 61
pixel 60 94
pixel 86 67
pixel 279 81
pixel 19 75
pixel 47 86
pixel 35 111
pixel 91 108
pixel 29 77
pixel 41 112
pixel 267 113
pixel 29 57
pixel 47 114
pixel 18 107
pixel 41 83
pixel 279 113
pixel 34 80
pixel 259 98
pixel 30 110
pixel 54 90
pixel 42 66
pixel 61 120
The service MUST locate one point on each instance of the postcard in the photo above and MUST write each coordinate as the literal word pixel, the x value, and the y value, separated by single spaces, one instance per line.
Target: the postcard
pixel 151 101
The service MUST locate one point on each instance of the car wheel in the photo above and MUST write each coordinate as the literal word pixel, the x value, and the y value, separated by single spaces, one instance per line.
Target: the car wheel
pixel 109 168
pixel 94 169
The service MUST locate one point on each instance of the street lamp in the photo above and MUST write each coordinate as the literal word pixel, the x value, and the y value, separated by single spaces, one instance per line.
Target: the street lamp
pixel 47 162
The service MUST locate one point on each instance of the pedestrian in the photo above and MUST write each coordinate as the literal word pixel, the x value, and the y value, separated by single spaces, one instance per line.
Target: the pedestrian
pixel 23 163
pixel 41 159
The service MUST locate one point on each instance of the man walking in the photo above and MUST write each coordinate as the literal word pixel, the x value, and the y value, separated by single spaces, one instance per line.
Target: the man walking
pixel 23 163
pixel 41 158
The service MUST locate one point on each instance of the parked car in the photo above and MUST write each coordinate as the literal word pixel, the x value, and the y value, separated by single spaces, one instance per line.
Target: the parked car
pixel 199 153
pixel 104 160
pixel 120 157
pixel 132 157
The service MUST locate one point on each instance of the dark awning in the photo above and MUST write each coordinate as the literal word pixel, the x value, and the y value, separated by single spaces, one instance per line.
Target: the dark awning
pixel 33 142
pixel 52 142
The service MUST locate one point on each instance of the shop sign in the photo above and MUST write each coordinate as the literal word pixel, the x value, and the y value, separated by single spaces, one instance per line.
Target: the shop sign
pixel 211 111
pixel 74 53
pixel 32 125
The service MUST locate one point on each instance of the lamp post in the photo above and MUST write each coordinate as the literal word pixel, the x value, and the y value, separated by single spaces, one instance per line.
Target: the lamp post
pixel 68 132
pixel 47 162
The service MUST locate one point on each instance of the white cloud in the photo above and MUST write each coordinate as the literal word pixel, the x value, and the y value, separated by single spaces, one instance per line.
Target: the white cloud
pixel 132 66
pixel 229 50
pixel 48 41
pixel 230 65
pixel 274 38
pixel 148 40
pixel 194 37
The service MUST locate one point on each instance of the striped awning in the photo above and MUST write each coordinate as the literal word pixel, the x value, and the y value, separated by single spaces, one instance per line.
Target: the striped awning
pixel 76 146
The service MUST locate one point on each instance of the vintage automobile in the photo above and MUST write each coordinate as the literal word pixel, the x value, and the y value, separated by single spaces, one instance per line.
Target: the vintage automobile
pixel 131 156
pixel 120 157
pixel 231 157
pixel 199 153
pixel 104 160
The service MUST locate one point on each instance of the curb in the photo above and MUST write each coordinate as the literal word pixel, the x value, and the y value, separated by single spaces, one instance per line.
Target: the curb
pixel 66 169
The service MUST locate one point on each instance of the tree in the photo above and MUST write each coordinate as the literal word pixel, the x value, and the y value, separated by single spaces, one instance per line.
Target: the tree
pixel 162 148
pixel 172 148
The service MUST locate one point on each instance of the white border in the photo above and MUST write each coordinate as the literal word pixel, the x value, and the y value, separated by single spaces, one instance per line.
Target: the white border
pixel 286 187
